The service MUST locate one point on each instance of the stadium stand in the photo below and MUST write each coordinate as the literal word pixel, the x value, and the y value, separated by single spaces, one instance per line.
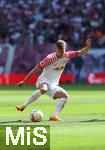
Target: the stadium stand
pixel 43 21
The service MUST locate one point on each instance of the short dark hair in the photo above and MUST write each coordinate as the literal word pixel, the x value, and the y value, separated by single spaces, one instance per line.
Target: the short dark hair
pixel 61 44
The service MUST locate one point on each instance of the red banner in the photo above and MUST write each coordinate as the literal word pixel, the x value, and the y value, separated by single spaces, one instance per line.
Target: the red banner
pixel 12 79
pixel 96 78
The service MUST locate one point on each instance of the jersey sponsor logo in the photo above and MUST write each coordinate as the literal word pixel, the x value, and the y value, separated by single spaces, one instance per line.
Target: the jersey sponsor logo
pixel 59 68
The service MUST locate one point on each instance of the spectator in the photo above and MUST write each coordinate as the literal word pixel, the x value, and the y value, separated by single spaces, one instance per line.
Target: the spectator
pixel 46 21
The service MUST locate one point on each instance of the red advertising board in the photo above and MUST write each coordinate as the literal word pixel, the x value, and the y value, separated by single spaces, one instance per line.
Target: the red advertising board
pixel 12 79
pixel 96 78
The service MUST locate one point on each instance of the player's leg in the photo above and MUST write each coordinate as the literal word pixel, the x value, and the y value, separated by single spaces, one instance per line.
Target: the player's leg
pixel 35 95
pixel 62 95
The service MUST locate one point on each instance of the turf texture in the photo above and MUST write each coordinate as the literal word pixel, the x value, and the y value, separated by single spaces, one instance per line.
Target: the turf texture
pixel 83 127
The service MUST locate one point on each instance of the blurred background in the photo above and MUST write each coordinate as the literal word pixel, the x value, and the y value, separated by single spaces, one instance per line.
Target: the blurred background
pixel 30 28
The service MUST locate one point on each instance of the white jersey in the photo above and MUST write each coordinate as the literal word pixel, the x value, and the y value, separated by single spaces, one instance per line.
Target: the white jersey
pixel 53 66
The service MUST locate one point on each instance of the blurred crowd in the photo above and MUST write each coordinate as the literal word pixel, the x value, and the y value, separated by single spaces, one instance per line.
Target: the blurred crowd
pixel 82 66
pixel 45 21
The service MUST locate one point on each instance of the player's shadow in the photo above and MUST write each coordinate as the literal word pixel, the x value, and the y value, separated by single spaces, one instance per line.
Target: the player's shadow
pixel 24 121
pixel 85 121
pixel 18 121
pixel 92 120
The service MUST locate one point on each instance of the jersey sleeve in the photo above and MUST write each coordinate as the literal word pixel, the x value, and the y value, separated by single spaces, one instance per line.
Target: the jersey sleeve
pixel 46 62
pixel 72 54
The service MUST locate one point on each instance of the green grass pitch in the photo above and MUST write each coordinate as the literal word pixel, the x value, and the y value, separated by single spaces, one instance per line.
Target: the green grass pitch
pixel 83 127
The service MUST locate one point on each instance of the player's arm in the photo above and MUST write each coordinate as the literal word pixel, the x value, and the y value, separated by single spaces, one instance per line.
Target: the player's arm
pixel 84 50
pixel 35 70
pixel 44 63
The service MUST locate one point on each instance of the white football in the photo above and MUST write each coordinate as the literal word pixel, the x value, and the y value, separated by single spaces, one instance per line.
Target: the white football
pixel 36 116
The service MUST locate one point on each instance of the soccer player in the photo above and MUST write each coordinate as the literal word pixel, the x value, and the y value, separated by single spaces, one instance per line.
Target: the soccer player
pixel 48 82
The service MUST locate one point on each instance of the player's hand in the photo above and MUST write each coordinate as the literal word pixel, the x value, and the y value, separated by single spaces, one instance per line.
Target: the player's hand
pixel 88 42
pixel 21 83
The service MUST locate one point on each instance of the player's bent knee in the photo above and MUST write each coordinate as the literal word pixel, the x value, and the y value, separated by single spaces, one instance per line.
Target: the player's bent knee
pixel 66 96
pixel 43 90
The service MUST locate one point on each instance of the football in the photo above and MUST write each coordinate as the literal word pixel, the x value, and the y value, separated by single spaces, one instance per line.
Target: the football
pixel 36 116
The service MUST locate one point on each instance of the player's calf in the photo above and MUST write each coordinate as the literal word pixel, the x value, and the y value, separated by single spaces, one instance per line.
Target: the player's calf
pixel 35 95
pixel 63 97
pixel 59 107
